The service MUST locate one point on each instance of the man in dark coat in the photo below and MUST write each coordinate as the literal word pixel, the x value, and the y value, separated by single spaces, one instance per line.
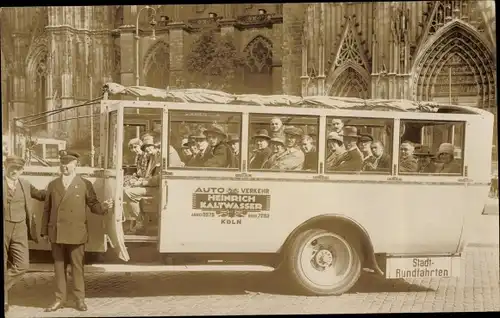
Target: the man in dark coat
pixel 352 159
pixel 64 222
pixel 221 154
pixel 19 222
pixel 262 151
pixel 380 161
pixel 203 150
pixel 234 142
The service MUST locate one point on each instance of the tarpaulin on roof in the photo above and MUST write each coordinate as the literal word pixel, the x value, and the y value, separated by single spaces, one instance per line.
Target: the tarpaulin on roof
pixel 194 95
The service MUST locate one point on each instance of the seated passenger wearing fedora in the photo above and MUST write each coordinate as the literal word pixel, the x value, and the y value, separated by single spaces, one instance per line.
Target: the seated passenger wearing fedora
pixel 364 144
pixel 294 154
pixel 19 222
pixel 202 152
pixel 352 159
pixel 336 147
pixel 425 160
pixel 446 159
pixel 282 159
pixel 262 151
pixel 220 155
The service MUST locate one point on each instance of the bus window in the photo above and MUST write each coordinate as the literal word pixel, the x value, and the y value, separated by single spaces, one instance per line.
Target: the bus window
pixel 208 140
pixel 358 145
pixel 431 147
pixel 283 142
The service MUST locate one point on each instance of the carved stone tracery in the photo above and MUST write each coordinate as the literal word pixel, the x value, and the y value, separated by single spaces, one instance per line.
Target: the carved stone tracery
pixel 350 84
pixel 156 65
pixel 258 58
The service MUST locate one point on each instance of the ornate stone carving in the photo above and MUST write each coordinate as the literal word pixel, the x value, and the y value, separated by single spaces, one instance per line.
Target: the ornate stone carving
pixel 350 84
pixel 157 65
pixel 259 55
pixel 258 20
pixel 350 49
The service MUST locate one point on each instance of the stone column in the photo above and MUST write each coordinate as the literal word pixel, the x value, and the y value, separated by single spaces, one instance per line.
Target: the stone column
pixel 277 73
pixel 19 93
pixel 127 52
pixel 177 32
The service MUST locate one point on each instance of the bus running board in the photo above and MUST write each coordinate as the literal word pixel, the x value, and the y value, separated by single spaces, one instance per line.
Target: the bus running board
pixel 138 268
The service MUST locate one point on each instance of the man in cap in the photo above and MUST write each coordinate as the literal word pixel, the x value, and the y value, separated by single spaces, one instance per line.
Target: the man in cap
pixel 365 143
pixel 282 159
pixel 425 160
pixel 352 159
pixel 446 158
pixel 407 161
pixel 262 150
pixel 293 151
pixel 64 223
pixel 335 143
pixel 19 222
pixel 203 150
pixel 234 143
pixel 220 153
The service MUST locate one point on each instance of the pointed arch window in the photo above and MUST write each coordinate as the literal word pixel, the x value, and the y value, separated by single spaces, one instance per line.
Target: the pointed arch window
pixel 40 88
pixel 157 66
pixel 257 72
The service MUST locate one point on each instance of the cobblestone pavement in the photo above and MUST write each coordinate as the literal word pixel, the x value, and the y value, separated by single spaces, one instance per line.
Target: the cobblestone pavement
pixel 150 294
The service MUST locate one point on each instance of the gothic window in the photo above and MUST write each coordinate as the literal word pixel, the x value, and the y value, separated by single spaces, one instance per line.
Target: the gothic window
pixel 257 73
pixel 40 87
pixel 157 66
pixel 350 84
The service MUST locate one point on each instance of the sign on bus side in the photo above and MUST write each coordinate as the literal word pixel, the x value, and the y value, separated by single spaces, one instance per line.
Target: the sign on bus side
pixel 231 205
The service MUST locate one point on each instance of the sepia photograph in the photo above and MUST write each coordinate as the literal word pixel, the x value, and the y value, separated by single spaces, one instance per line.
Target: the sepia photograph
pixel 250 159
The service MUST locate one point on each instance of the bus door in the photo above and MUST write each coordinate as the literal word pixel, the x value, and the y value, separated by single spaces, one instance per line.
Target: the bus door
pixel 112 152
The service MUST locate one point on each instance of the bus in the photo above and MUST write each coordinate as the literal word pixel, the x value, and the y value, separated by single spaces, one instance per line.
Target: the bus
pixel 38 151
pixel 319 225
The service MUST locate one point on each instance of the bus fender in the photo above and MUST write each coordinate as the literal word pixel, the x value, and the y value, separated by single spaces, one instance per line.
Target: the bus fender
pixel 348 225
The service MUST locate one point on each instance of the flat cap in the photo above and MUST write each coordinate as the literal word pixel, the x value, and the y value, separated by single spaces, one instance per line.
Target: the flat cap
pixel 68 155
pixel 14 161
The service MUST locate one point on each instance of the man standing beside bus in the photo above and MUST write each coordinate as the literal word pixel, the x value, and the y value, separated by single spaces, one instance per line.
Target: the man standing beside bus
pixel 19 222
pixel 64 223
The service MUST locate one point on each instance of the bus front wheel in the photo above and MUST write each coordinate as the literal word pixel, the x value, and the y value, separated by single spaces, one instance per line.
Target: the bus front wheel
pixel 323 263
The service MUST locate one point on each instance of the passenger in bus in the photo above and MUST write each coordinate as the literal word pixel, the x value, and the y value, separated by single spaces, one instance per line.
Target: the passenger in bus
pixel 337 125
pixel 234 143
pixel 446 159
pixel 282 159
pixel 220 155
pixel 310 153
pixel 425 160
pixel 262 151
pixel 141 158
pixel 352 159
pixel 148 146
pixel 186 153
pixel 277 127
pixel 381 162
pixel 202 150
pixel 407 161
pixel 336 147
pixel 365 143
pixel 293 136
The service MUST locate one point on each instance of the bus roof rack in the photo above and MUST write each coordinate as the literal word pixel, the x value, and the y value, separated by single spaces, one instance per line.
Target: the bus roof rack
pixel 197 95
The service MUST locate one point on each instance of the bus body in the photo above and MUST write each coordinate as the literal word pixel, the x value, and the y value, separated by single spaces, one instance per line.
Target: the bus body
pixel 324 227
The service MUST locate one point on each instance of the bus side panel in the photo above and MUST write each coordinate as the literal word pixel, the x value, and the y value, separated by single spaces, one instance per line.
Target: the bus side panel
pixel 399 219
pixel 95 223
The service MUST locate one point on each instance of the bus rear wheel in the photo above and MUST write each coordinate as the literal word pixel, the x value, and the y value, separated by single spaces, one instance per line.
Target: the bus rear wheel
pixel 323 263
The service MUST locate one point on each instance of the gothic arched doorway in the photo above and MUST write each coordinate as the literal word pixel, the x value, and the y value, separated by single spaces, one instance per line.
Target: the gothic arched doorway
pixel 349 83
pixel 157 66
pixel 258 68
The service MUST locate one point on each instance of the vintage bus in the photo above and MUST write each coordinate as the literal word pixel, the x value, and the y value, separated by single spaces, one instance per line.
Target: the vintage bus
pixel 320 226
pixel 39 151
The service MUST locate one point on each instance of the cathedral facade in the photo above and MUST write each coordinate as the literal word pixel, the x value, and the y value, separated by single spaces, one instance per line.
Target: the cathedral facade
pixel 424 50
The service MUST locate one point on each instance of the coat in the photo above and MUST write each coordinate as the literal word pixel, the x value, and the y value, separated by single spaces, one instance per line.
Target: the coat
pixel 33 193
pixel 311 160
pixel 220 156
pixel 383 163
pixel 409 164
pixel 334 159
pixel 259 157
pixel 351 160
pixel 64 218
pixel 290 159
pixel 198 160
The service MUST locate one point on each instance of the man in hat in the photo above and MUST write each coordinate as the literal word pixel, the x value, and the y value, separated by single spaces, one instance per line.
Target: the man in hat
pixel 381 162
pixel 425 160
pixel 407 161
pixel 446 158
pixel 220 153
pixel 282 158
pixel 364 144
pixel 186 152
pixel 310 153
pixel 19 222
pixel 335 144
pixel 153 154
pixel 203 150
pixel 234 143
pixel 293 152
pixel 64 223
pixel 262 151
pixel 352 159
